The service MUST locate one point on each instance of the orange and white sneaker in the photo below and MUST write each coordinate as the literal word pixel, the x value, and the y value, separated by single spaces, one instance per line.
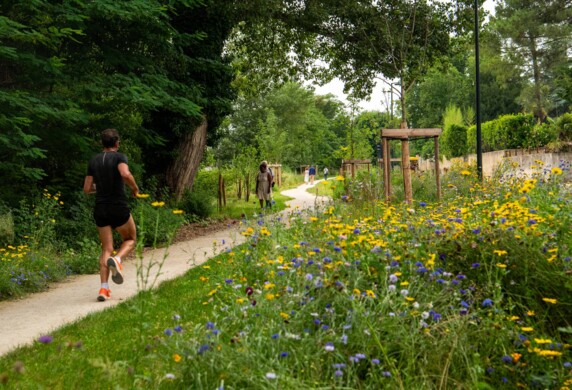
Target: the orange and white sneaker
pixel 115 267
pixel 104 294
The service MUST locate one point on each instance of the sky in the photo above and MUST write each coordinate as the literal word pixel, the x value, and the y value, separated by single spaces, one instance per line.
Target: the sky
pixel 380 98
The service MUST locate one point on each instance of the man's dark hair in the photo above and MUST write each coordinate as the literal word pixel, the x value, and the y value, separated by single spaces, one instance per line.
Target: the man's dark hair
pixel 109 138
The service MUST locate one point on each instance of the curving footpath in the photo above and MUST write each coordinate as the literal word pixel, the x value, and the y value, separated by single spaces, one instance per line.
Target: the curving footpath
pixel 24 320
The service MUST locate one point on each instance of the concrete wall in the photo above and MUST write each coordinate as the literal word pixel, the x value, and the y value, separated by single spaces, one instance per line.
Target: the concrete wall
pixel 524 158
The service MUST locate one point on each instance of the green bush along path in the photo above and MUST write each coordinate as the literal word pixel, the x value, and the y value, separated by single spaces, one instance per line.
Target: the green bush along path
pixel 23 321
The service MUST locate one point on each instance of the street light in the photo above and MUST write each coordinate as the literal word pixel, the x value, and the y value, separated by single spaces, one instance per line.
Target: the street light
pixel 478 94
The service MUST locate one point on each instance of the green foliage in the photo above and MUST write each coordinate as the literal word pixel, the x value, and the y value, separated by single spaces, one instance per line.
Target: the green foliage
pixel 156 224
pixel 6 229
pixel 454 141
pixel 197 203
pixel 564 127
pixel 510 132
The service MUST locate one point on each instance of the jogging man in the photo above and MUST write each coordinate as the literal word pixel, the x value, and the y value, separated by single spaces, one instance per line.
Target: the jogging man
pixel 107 173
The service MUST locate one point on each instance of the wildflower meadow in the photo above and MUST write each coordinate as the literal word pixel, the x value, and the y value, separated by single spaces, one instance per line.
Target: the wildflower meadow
pixel 470 292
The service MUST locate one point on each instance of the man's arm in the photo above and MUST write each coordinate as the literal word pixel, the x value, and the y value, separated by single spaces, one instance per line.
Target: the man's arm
pixel 89 185
pixel 128 178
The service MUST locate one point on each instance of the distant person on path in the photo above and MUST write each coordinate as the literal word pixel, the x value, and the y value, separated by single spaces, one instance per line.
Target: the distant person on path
pixel 326 172
pixel 312 173
pixel 107 172
pixel 306 176
pixel 270 171
pixel 264 185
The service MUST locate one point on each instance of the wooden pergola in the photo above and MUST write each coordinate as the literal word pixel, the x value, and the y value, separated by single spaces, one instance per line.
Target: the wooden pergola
pixel 404 135
pixel 277 171
pixel 353 165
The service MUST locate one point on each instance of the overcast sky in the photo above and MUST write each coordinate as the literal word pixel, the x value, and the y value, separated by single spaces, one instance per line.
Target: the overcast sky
pixel 380 98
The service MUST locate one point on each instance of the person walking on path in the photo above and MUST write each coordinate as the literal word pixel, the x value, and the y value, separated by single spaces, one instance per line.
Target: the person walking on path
pixel 107 173
pixel 326 172
pixel 312 173
pixel 263 185
pixel 269 171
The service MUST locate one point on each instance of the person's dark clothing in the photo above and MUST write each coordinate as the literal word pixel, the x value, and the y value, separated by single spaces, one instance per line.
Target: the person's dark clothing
pixel 109 185
pixel 111 207
pixel 312 171
pixel 113 215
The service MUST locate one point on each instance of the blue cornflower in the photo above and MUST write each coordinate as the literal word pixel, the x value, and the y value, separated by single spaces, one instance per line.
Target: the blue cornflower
pixel 228 281
pixel 210 325
pixel 422 204
pixel 487 303
pixel 203 348
pixel 375 361
pixel 178 328
pixel 283 354
pixel 168 332
pixel 46 339
pixel 275 336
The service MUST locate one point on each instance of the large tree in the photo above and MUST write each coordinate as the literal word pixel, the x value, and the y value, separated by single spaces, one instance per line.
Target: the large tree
pixel 538 37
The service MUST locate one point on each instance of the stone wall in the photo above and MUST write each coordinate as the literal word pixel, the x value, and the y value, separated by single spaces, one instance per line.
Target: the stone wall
pixel 524 159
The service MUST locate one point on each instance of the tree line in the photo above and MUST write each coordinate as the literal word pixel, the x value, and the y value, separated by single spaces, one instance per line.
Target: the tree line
pixel 175 76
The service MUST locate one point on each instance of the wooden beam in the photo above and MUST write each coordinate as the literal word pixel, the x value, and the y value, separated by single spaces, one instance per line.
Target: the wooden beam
pixel 437 170
pixel 409 133
pixel 386 169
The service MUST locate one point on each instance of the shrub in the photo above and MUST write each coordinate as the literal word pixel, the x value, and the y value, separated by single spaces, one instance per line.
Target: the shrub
pixel 454 141
pixel 505 132
pixel 564 127
pixel 197 203
pixel 6 229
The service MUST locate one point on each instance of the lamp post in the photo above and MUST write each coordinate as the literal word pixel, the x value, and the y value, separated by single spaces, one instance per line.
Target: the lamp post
pixel 478 94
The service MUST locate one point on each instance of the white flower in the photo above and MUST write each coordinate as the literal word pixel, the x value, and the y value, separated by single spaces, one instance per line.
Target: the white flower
pixel 424 315
pixel 404 292
pixel 270 375
pixel 169 376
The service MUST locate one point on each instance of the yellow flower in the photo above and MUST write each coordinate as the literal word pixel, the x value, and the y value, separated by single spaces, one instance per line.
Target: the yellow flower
pixel 203 279
pixel 142 196
pixel 527 329
pixel 270 296
pixel 530 313
pixel 206 267
pixel 177 358
pixel 515 357
pixel 500 252
pixel 548 353
pixel 178 212
pixel 465 173
pixel 340 178
pixel 404 284
pixel 212 292
pixel 285 315
pixel 240 300
pixel 556 171
pixel 370 293
pixel 501 265
pixel 356 291
pixel 550 300
pixel 158 204
pixel 542 341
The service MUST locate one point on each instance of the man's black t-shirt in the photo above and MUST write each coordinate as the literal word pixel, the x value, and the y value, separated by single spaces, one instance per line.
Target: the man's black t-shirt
pixel 110 188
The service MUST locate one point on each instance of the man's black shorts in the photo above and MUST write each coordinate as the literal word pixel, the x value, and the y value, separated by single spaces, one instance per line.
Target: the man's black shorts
pixel 113 215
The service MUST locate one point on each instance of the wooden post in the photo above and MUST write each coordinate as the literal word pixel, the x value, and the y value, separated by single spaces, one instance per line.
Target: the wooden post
pixel 219 191
pixel 386 169
pixel 406 168
pixel 223 193
pixel 437 170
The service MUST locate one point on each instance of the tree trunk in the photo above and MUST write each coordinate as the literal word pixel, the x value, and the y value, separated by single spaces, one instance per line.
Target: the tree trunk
pixel 182 172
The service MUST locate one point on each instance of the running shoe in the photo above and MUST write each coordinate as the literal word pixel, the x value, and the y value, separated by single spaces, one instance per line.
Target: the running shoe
pixel 115 267
pixel 104 294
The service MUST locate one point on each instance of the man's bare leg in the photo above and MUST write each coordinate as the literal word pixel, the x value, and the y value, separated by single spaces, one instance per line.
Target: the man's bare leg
pixel 106 238
pixel 128 233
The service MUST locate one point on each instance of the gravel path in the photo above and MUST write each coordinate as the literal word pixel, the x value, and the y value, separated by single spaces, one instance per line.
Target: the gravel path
pixel 24 320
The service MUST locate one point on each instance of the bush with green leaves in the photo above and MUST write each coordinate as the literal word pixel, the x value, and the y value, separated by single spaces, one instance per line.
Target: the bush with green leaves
pixel 454 141
pixel 564 127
